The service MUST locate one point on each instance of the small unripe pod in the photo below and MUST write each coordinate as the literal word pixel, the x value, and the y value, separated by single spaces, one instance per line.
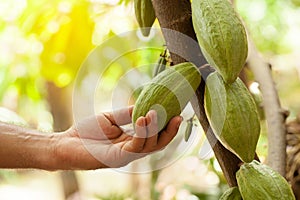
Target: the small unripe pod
pixel 145 15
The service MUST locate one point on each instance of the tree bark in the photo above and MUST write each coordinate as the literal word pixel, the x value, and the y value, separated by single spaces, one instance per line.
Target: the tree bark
pixel 176 16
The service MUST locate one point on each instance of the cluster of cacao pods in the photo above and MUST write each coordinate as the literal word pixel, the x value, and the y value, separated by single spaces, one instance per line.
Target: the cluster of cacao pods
pixel 229 106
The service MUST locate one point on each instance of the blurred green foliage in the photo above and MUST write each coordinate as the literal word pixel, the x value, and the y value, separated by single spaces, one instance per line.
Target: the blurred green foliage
pixel 271 23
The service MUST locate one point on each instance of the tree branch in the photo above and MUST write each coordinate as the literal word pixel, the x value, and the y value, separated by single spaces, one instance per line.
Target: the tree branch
pixel 176 16
pixel 273 111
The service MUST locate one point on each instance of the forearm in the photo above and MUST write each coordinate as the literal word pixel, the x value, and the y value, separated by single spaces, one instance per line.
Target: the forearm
pixel 24 148
pixel 72 154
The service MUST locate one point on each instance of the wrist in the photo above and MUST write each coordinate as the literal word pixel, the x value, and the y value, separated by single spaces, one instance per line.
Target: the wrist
pixel 63 153
pixel 71 154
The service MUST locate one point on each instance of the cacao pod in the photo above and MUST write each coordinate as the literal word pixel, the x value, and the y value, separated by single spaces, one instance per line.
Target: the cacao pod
pixel 233 116
pixel 145 15
pixel 168 93
pixel 260 182
pixel 221 36
pixel 231 194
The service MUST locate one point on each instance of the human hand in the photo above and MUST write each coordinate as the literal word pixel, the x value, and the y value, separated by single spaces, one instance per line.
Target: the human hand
pixel 100 142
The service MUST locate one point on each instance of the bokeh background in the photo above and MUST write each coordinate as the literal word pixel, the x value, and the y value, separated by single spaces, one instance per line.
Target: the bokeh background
pixel 44 43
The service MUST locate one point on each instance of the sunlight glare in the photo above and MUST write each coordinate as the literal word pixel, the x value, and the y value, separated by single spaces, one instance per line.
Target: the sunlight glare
pixel 11 9
pixel 64 7
pixel 254 88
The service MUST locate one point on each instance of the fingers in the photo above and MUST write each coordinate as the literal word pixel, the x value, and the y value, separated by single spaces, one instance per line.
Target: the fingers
pixel 139 139
pixel 152 130
pixel 146 135
pixel 107 130
pixel 146 139
pixel 137 143
pixel 169 133
pixel 120 117
pixel 155 141
pixel 96 128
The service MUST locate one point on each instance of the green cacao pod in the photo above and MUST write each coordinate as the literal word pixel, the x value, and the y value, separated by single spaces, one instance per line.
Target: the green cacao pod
pixel 231 194
pixel 168 93
pixel 233 116
pixel 221 36
pixel 145 15
pixel 260 182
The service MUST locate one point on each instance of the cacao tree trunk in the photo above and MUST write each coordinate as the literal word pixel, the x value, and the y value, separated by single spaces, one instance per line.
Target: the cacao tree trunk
pixel 60 107
pixel 176 15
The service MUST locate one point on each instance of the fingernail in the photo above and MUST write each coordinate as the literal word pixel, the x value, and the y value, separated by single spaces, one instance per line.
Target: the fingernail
pixel 153 115
pixel 179 122
pixel 181 119
pixel 142 123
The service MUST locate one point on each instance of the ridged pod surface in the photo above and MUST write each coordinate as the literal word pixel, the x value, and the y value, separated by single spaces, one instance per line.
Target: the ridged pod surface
pixel 221 36
pixel 168 93
pixel 260 182
pixel 145 15
pixel 233 116
pixel 231 194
